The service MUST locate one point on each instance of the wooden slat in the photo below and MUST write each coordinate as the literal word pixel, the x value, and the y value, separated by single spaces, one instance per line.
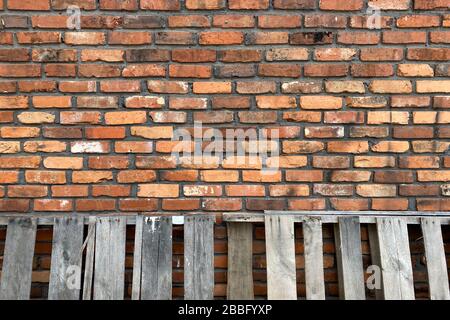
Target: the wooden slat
pixel 109 270
pixel 395 256
pixel 314 273
pixel 349 258
pixel 199 258
pixel 156 279
pixel 280 256
pixel 327 217
pixel 18 259
pixel 89 244
pixel 67 256
pixel 436 261
pixel 240 267
pixel 376 259
pixel 137 260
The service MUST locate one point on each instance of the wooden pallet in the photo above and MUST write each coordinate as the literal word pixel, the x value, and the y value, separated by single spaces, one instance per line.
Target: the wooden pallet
pixel 93 266
pixel 389 249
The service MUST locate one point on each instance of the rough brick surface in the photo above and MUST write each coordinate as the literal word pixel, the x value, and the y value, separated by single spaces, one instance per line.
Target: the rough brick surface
pixel 87 117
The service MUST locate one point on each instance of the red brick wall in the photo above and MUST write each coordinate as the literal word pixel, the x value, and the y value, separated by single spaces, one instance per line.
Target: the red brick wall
pixel 87 117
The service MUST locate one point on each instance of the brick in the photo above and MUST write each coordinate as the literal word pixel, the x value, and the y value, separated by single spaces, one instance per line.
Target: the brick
pixel 320 102
pixel 230 204
pixel 333 190
pixel 163 5
pixel 221 38
pixel 44 146
pixel 110 191
pixel 28 5
pixel 248 4
pixel 334 54
pixel 63 163
pixel 306 204
pixel 415 70
pixel 294 4
pixel 325 20
pixel 390 86
pixel 390 204
pixel 28 191
pixel 90 205
pixel 189 71
pixel 287 54
pixel 349 5
pixel 84 38
pixel 376 190
pixel 342 204
pixel 138 204
pixel 390 37
pixel 191 21
pixel 282 21
pixel 205 5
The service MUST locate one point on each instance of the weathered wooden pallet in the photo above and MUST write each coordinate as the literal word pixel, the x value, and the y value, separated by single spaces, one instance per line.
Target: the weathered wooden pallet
pixel 389 244
pixel 93 266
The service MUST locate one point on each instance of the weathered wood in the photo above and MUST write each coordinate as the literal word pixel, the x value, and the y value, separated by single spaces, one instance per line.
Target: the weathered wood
pixel 109 270
pixel 156 279
pixel 254 217
pixel 67 256
pixel 18 259
pixel 349 258
pixel 280 256
pixel 436 261
pixel 240 262
pixel 137 260
pixel 314 273
pixel 199 258
pixel 376 261
pixel 89 244
pixel 395 256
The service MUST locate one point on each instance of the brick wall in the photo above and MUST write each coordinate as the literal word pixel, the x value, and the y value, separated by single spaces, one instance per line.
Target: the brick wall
pixel 357 91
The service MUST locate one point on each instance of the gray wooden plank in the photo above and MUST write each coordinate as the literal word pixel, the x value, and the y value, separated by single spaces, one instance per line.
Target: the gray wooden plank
pixel 280 257
pixel 376 260
pixel 436 261
pixel 199 258
pixel 89 245
pixel 349 258
pixel 67 256
pixel 137 260
pixel 314 273
pixel 240 262
pixel 18 259
pixel 395 256
pixel 109 272
pixel 156 279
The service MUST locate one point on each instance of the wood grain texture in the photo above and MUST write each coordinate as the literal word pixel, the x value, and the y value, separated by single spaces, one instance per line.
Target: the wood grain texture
pixel 240 262
pixel 199 258
pixel 137 260
pixel 376 259
pixel 349 258
pixel 18 259
pixel 280 256
pixel 314 273
pixel 109 270
pixel 89 245
pixel 436 261
pixel 395 256
pixel 67 256
pixel 156 279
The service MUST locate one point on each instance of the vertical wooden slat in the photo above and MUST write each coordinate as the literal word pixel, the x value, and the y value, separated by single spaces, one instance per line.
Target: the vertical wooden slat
pixel 109 270
pixel 199 258
pixel 89 262
pixel 156 279
pixel 240 268
pixel 436 261
pixel 65 270
pixel 18 259
pixel 280 256
pixel 349 258
pixel 395 256
pixel 137 260
pixel 376 259
pixel 314 274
